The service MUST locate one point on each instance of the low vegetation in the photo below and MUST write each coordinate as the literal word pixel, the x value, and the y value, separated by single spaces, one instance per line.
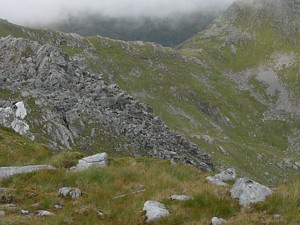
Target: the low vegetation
pixel 157 179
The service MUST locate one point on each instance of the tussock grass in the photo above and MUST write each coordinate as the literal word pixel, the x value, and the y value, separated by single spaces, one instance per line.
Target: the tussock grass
pixel 123 176
pixel 161 179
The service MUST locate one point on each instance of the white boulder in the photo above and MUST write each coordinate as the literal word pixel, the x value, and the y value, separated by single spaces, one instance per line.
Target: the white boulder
pixel 98 160
pixel 217 221
pixel 249 191
pixel 155 210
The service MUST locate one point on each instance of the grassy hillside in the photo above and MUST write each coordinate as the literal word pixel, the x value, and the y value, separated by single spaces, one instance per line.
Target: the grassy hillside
pixel 159 180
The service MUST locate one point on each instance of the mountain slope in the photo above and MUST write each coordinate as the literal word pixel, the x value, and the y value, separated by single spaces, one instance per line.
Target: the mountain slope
pixel 71 108
pixel 231 89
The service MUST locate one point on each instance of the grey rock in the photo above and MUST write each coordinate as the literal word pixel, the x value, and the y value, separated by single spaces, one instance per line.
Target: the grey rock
pixel 10 206
pixel 181 197
pixel 226 175
pixel 155 210
pixel 72 192
pixel 98 160
pixel 223 150
pixel 221 178
pixel 217 221
pixel 100 213
pixel 58 206
pixel 276 216
pixel 217 182
pixel 24 212
pixel 248 191
pixel 6 189
pixel 6 172
pixel 2 213
pixel 15 119
pixel 45 213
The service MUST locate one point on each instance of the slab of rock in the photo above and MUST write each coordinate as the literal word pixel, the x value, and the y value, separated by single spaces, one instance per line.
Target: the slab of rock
pixel 45 213
pixel 249 191
pixel 216 182
pixel 68 191
pixel 6 189
pixel 6 172
pixel 155 210
pixel 98 160
pixel 217 221
pixel 181 197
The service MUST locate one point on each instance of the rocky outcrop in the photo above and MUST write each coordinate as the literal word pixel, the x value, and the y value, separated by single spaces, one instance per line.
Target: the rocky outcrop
pixel 14 117
pixel 74 108
pixel 155 210
pixel 6 172
pixel 249 191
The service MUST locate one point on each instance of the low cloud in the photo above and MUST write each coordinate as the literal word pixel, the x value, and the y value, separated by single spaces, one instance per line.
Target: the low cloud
pixel 46 11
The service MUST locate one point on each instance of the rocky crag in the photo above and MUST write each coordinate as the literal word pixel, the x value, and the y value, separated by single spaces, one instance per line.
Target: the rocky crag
pixel 71 108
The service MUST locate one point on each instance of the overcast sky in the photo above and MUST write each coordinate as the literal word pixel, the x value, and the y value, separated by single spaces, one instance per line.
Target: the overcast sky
pixel 45 11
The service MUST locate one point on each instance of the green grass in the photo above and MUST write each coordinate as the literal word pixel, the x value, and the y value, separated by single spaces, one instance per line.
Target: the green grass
pixel 16 150
pixel 160 180
pixel 27 52
pixel 71 51
pixel 124 175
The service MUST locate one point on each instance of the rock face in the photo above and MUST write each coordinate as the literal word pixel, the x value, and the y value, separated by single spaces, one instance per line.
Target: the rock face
pixel 74 108
pixel 248 191
pixel 72 192
pixel 155 210
pixel 98 160
pixel 6 172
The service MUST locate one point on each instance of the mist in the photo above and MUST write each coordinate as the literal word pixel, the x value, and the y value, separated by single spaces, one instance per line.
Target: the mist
pixel 37 12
